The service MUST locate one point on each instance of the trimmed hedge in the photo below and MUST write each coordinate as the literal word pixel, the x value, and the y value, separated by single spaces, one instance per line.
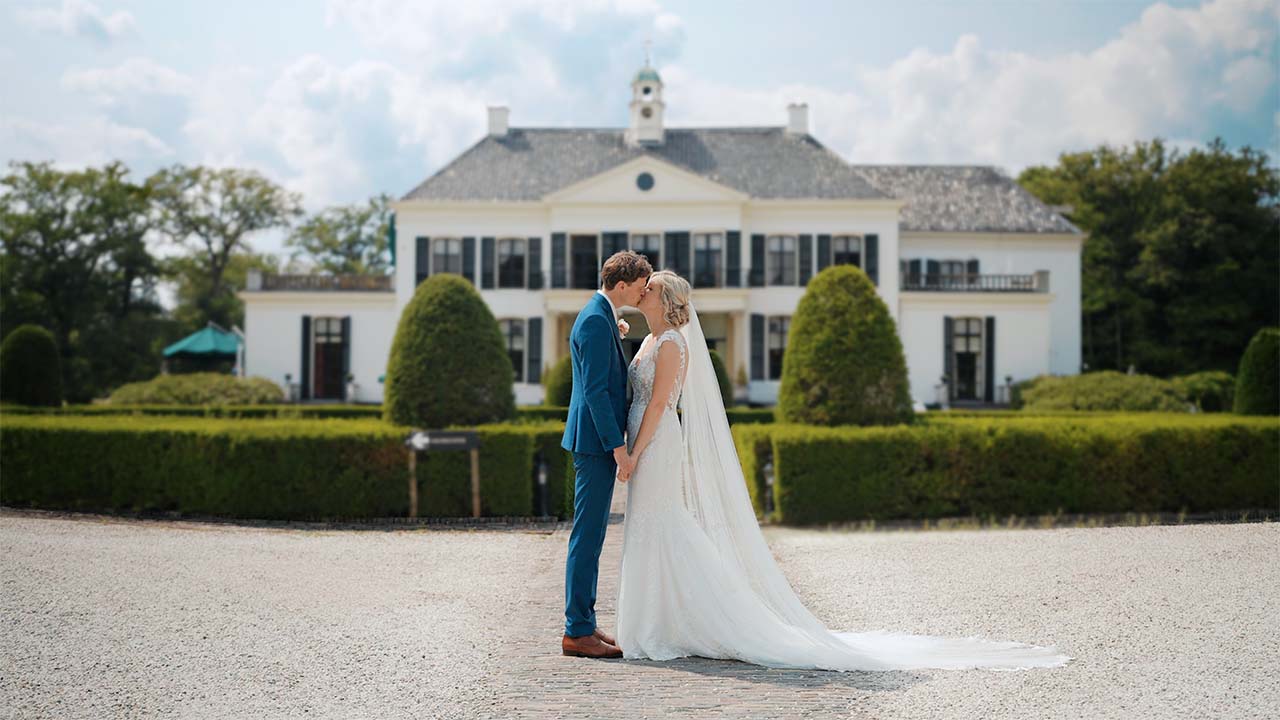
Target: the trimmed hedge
pixel 199 389
pixel 844 363
pixel 30 369
pixel 1102 390
pixel 271 469
pixel 722 379
pixel 969 466
pixel 1258 380
pixel 243 412
pixel 448 362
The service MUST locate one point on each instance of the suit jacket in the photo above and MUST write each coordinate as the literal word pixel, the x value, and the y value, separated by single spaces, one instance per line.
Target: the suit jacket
pixel 598 405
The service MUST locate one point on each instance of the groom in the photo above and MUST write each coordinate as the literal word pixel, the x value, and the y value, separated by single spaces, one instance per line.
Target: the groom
pixel 593 433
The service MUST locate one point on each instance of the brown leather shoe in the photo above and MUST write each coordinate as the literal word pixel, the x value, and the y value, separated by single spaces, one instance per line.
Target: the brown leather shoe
pixel 588 646
pixel 606 638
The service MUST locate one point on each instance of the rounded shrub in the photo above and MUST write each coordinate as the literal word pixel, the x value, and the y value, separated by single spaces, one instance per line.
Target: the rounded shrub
pixel 206 388
pixel 30 371
pixel 1209 391
pixel 449 363
pixel 1106 390
pixel 722 378
pixel 1257 384
pixel 844 363
pixel 558 383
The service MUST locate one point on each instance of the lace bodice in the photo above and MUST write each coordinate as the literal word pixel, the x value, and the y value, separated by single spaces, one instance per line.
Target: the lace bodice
pixel 641 372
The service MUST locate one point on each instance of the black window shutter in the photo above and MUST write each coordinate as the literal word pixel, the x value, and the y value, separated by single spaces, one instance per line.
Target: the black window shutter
pixel 487 260
pixel 346 352
pixel 948 353
pixel 676 256
pixel 610 243
pixel 933 268
pixel 469 259
pixel 914 266
pixel 559 266
pixel 422 260
pixel 757 265
pixel 304 382
pixel 824 252
pixel 806 259
pixel 972 267
pixel 533 263
pixel 989 392
pixel 533 350
pixel 757 346
pixel 872 258
pixel 733 259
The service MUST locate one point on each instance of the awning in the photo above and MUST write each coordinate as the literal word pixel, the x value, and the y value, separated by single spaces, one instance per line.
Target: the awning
pixel 210 341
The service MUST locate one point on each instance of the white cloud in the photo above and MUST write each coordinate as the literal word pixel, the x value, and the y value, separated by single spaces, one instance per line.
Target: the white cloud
pixel 134 77
pixel 1171 73
pixel 80 142
pixel 79 18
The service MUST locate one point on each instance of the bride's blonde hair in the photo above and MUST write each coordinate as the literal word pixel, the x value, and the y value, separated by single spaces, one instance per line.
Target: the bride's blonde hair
pixel 674 296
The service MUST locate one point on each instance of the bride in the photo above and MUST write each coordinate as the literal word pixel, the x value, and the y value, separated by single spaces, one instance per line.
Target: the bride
pixel 697 577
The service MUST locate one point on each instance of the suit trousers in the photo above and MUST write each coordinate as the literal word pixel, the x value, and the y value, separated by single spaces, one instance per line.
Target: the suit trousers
pixel 592 497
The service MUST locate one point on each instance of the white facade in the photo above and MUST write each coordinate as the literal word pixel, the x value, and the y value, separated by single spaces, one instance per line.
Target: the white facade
pixel 981 308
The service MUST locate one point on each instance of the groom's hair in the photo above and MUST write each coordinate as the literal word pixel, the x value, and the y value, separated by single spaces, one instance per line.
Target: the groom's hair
pixel 625 266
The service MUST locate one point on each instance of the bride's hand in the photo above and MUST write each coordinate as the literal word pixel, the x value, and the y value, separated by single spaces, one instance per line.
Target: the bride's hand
pixel 624 327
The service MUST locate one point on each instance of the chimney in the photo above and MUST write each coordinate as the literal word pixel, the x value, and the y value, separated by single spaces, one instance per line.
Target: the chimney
pixel 798 119
pixel 498 120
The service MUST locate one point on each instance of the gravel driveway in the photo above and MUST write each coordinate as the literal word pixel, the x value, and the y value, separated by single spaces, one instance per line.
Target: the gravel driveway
pixel 106 618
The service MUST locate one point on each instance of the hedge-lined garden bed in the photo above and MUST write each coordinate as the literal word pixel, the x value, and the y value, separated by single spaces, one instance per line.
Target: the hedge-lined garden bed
pixel 270 469
pixel 969 466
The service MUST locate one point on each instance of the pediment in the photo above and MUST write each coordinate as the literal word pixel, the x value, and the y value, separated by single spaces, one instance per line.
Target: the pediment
pixel 622 184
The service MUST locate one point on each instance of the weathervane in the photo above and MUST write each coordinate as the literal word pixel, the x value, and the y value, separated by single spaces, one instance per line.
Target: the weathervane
pixel 648 43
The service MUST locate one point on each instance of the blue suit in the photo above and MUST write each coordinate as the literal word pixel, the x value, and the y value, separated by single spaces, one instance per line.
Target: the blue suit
pixel 597 420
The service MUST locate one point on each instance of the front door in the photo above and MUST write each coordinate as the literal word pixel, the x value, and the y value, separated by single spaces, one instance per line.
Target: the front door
pixel 330 359
pixel 967 360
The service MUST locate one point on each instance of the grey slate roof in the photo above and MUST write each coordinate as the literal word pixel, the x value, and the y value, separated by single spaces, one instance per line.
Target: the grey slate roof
pixel 963 198
pixel 763 162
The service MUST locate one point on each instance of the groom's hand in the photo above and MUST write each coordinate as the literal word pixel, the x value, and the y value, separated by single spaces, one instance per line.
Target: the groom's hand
pixel 624 461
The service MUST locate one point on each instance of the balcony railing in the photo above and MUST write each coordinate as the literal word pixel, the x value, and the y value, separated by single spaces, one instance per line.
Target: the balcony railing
pixel 313 283
pixel 936 282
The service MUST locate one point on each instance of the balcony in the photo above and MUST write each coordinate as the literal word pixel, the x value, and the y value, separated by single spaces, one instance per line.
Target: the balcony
pixel 258 282
pixel 1037 282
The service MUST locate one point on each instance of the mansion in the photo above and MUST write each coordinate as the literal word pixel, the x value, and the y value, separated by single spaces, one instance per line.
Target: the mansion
pixel 982 279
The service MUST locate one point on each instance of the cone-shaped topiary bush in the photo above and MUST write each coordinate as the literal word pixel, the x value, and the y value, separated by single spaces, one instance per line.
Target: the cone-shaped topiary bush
pixel 844 363
pixel 722 378
pixel 30 371
pixel 1257 384
pixel 558 383
pixel 448 364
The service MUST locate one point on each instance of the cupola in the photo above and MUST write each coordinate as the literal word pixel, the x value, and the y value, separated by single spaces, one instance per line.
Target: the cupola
pixel 646 108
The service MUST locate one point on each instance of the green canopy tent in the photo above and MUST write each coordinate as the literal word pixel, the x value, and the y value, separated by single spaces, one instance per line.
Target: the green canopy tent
pixel 206 349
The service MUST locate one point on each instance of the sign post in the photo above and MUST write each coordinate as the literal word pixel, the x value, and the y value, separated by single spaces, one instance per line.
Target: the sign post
pixel 443 441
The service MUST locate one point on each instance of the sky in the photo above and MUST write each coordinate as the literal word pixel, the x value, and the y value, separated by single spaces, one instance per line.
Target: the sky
pixel 344 99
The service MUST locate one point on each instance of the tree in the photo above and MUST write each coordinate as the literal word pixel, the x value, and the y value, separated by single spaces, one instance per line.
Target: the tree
pixel 557 382
pixel 195 298
pixel 1181 262
pixel 346 239
pixel 214 211
pixel 844 363
pixel 30 373
pixel 449 362
pixel 722 378
pixel 75 260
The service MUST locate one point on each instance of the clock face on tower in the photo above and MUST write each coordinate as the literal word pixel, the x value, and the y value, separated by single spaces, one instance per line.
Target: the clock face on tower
pixel 647 112
pixel 644 181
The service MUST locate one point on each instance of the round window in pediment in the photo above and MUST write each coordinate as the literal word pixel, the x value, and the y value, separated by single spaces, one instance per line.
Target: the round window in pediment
pixel 644 181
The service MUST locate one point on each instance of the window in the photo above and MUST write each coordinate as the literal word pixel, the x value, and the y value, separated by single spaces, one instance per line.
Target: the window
pixel 951 268
pixel 708 259
pixel 778 327
pixel 513 332
pixel 968 335
pixel 511 262
pixel 782 265
pixel 584 262
pixel 446 255
pixel 648 245
pixel 846 250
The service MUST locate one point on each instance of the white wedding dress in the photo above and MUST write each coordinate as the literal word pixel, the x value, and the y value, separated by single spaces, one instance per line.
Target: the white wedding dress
pixel 697 577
